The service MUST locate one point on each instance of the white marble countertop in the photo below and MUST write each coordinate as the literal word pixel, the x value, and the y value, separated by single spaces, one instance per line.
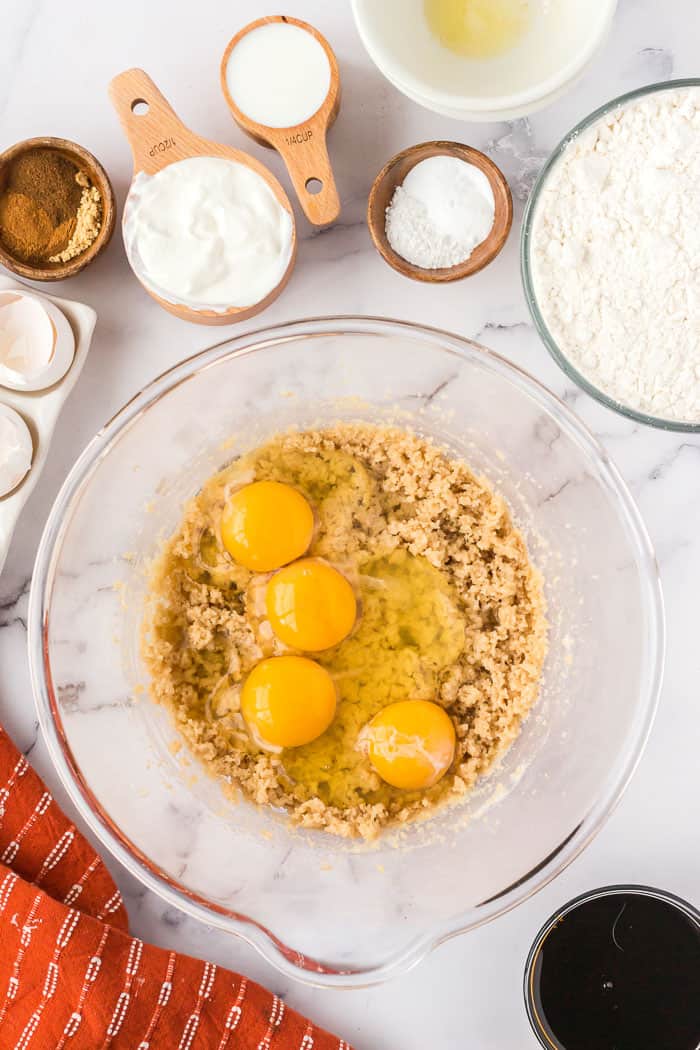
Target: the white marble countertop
pixel 55 62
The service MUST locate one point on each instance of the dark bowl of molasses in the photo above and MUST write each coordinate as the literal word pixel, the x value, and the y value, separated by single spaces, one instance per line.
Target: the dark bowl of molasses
pixel 617 969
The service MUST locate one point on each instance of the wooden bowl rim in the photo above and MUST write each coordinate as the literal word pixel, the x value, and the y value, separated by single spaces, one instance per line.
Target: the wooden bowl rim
pixel 327 111
pixel 498 234
pixel 99 178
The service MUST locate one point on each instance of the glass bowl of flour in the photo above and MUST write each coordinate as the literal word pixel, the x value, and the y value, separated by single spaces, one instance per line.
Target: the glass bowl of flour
pixel 610 255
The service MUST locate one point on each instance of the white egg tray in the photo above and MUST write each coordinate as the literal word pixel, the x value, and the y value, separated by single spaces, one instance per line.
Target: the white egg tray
pixel 40 409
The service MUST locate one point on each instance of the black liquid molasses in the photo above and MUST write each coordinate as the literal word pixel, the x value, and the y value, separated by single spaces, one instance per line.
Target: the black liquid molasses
pixel 619 971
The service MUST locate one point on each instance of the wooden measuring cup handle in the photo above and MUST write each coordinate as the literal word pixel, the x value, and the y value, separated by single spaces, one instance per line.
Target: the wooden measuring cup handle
pixel 156 134
pixel 305 153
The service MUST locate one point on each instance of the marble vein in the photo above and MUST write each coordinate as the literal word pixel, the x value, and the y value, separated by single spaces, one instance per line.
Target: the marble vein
pixel 685 448
pixel 28 748
pixel 518 155
pixel 436 391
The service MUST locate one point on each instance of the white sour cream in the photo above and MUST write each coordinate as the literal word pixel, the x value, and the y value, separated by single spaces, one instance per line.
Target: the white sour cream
pixel 207 233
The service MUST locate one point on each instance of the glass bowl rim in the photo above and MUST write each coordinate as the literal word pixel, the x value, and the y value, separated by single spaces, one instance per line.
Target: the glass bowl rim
pixel 564 363
pixel 285 959
pixel 583 898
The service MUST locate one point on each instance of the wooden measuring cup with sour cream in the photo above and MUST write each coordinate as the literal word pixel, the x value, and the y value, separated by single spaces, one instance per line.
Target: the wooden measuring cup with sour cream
pixel 159 140
pixel 281 81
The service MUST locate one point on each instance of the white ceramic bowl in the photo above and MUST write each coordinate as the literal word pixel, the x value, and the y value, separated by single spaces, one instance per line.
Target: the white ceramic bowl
pixel 561 41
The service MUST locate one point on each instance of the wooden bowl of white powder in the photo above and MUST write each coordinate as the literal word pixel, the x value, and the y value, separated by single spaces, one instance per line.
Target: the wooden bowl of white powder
pixel 418 247
pixel 611 255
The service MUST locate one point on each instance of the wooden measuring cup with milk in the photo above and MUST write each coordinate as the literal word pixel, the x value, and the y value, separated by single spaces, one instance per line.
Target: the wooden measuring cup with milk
pixel 280 78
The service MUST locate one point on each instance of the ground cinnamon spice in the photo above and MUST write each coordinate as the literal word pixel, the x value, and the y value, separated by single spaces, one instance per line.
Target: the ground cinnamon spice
pixel 25 228
pixel 49 210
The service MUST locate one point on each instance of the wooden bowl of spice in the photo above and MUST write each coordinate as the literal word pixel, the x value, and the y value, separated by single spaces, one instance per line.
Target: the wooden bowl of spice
pixel 57 208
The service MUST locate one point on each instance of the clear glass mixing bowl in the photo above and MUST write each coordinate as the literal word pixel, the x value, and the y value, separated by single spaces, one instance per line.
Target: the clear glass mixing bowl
pixel 321 909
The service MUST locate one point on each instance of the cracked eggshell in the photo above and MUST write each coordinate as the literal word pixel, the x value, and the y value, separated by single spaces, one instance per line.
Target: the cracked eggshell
pixel 46 323
pixel 15 462
pixel 41 408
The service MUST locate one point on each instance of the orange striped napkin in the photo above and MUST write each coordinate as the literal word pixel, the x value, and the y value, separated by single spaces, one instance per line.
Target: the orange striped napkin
pixel 71 976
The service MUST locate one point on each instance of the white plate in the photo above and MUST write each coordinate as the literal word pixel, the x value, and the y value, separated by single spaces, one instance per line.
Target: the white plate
pixel 40 410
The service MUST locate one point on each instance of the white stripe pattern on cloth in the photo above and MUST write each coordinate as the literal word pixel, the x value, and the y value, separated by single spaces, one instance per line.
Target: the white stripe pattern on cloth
pixel 164 994
pixel 118 1015
pixel 67 930
pixel 122 1005
pixel 93 968
pixel 24 942
pixel 56 854
pixel 40 809
pixel 72 1026
pixel 20 768
pixel 189 1032
pixel 233 1018
pixel 275 1021
pixel 112 905
pixel 28 1032
pixel 8 884
pixel 192 1024
pixel 134 960
pixel 50 981
pixel 77 887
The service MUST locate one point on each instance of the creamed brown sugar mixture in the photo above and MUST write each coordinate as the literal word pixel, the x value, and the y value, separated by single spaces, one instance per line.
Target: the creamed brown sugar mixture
pixel 452 610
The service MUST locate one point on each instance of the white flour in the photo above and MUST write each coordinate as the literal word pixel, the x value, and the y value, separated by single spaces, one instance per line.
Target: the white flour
pixel 616 254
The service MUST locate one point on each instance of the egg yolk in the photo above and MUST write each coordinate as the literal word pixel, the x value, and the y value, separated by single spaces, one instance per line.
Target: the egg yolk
pixel 266 525
pixel 310 605
pixel 411 744
pixel 288 701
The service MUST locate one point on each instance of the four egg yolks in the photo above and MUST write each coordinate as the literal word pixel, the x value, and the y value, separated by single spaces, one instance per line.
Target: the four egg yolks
pixel 288 701
pixel 266 525
pixel 411 744
pixel 310 605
